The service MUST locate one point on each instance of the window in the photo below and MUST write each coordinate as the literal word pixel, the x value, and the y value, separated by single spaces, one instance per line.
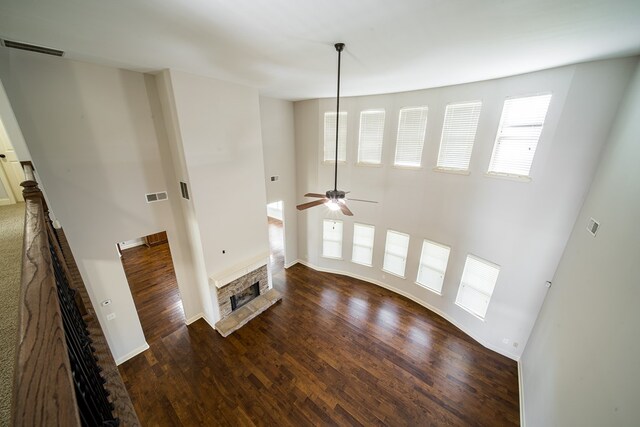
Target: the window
pixel 395 253
pixel 458 135
pixel 433 265
pixel 411 129
pixel 371 134
pixel 478 280
pixel 330 137
pixel 363 236
pixel 332 238
pixel 518 135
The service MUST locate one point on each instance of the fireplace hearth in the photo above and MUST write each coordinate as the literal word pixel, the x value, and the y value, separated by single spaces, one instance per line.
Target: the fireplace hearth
pixel 244 296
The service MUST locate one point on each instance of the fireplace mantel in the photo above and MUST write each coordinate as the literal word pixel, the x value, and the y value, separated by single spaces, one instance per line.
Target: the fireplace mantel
pixel 227 276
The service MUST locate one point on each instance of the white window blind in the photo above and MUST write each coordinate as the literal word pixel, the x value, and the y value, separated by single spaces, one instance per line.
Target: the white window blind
pixel 363 236
pixel 458 135
pixel 332 238
pixel 433 265
pixel 412 125
pixel 330 137
pixel 371 135
pixel 476 287
pixel 518 134
pixel 395 252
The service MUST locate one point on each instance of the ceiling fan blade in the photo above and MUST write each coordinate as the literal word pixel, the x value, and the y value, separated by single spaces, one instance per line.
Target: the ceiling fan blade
pixel 312 204
pixel 360 200
pixel 315 195
pixel 345 210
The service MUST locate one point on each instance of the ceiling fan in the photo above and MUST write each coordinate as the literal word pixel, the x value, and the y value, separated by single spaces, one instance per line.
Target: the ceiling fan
pixel 333 199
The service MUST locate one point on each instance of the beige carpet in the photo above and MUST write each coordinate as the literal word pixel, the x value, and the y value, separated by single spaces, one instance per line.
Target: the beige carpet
pixel 11 230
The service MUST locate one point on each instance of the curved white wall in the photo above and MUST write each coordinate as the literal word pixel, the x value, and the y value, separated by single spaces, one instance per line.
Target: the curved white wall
pixel 521 226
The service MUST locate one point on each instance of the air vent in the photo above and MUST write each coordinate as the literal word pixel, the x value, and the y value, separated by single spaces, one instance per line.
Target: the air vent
pixel 32 48
pixel 156 197
pixel 184 190
pixel 593 226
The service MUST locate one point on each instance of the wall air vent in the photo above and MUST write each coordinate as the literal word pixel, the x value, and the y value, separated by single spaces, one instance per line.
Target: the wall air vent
pixel 184 190
pixel 593 226
pixel 156 197
pixel 32 48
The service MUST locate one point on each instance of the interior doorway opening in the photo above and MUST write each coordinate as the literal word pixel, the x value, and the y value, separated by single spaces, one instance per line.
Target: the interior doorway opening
pixel 275 218
pixel 148 265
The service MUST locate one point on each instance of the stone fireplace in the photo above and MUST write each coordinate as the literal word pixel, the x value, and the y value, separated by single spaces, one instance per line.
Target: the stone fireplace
pixel 237 286
pixel 243 294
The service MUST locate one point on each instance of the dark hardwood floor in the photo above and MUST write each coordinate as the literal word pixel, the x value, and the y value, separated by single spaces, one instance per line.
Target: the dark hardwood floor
pixel 334 351
pixel 154 288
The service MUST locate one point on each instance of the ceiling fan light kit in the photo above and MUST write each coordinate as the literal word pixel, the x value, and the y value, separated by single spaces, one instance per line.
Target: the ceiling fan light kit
pixel 333 199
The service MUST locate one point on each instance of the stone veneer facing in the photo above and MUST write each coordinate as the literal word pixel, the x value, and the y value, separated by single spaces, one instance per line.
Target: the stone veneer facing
pixel 226 292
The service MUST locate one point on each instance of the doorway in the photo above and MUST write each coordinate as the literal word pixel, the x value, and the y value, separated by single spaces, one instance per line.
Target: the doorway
pixel 11 174
pixel 275 218
pixel 149 269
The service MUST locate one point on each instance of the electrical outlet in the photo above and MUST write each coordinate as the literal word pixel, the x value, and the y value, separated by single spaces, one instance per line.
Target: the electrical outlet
pixel 505 340
pixel 111 316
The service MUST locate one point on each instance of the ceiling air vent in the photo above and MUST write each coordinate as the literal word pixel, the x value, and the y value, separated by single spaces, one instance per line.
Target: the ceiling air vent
pixel 32 48
pixel 156 197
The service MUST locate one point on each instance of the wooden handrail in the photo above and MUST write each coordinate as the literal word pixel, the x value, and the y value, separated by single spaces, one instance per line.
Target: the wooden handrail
pixel 43 389
pixel 62 354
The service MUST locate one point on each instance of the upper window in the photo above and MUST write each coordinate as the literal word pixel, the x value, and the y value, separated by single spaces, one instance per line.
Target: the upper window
pixel 476 287
pixel 433 265
pixel 332 238
pixel 458 135
pixel 363 236
pixel 395 252
pixel 371 134
pixel 412 126
pixel 330 137
pixel 518 135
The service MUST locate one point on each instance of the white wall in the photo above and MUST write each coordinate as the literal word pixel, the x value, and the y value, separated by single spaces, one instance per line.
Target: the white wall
pixel 220 134
pixel 521 226
pixel 278 142
pixel 580 366
pixel 93 140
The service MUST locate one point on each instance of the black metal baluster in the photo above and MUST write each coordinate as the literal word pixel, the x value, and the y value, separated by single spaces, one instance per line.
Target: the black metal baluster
pixel 92 398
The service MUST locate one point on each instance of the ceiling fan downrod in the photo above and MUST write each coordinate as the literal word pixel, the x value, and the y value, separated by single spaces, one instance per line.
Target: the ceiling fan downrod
pixel 339 48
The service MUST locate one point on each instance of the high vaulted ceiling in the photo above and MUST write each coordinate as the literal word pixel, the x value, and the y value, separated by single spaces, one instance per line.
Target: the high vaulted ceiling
pixel 285 47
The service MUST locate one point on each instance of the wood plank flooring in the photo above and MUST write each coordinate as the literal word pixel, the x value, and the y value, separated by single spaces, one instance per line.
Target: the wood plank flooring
pixel 335 351
pixel 154 288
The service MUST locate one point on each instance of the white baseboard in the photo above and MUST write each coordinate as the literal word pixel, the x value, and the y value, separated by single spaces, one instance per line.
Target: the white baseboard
pixel 209 322
pixel 291 264
pixel 134 244
pixel 194 318
pixel 414 299
pixel 198 317
pixel 132 354
pixel 4 202
pixel 521 390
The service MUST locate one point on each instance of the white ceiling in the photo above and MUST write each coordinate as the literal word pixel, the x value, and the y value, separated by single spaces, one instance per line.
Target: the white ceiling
pixel 285 47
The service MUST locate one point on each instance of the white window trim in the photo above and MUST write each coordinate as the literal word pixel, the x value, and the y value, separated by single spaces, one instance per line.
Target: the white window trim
pixel 458 170
pixel 477 316
pixel 384 125
pixel 510 176
pixel 452 171
pixel 405 258
pixel 322 255
pixel 372 247
pixel 419 265
pixel 424 139
pixel 346 142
